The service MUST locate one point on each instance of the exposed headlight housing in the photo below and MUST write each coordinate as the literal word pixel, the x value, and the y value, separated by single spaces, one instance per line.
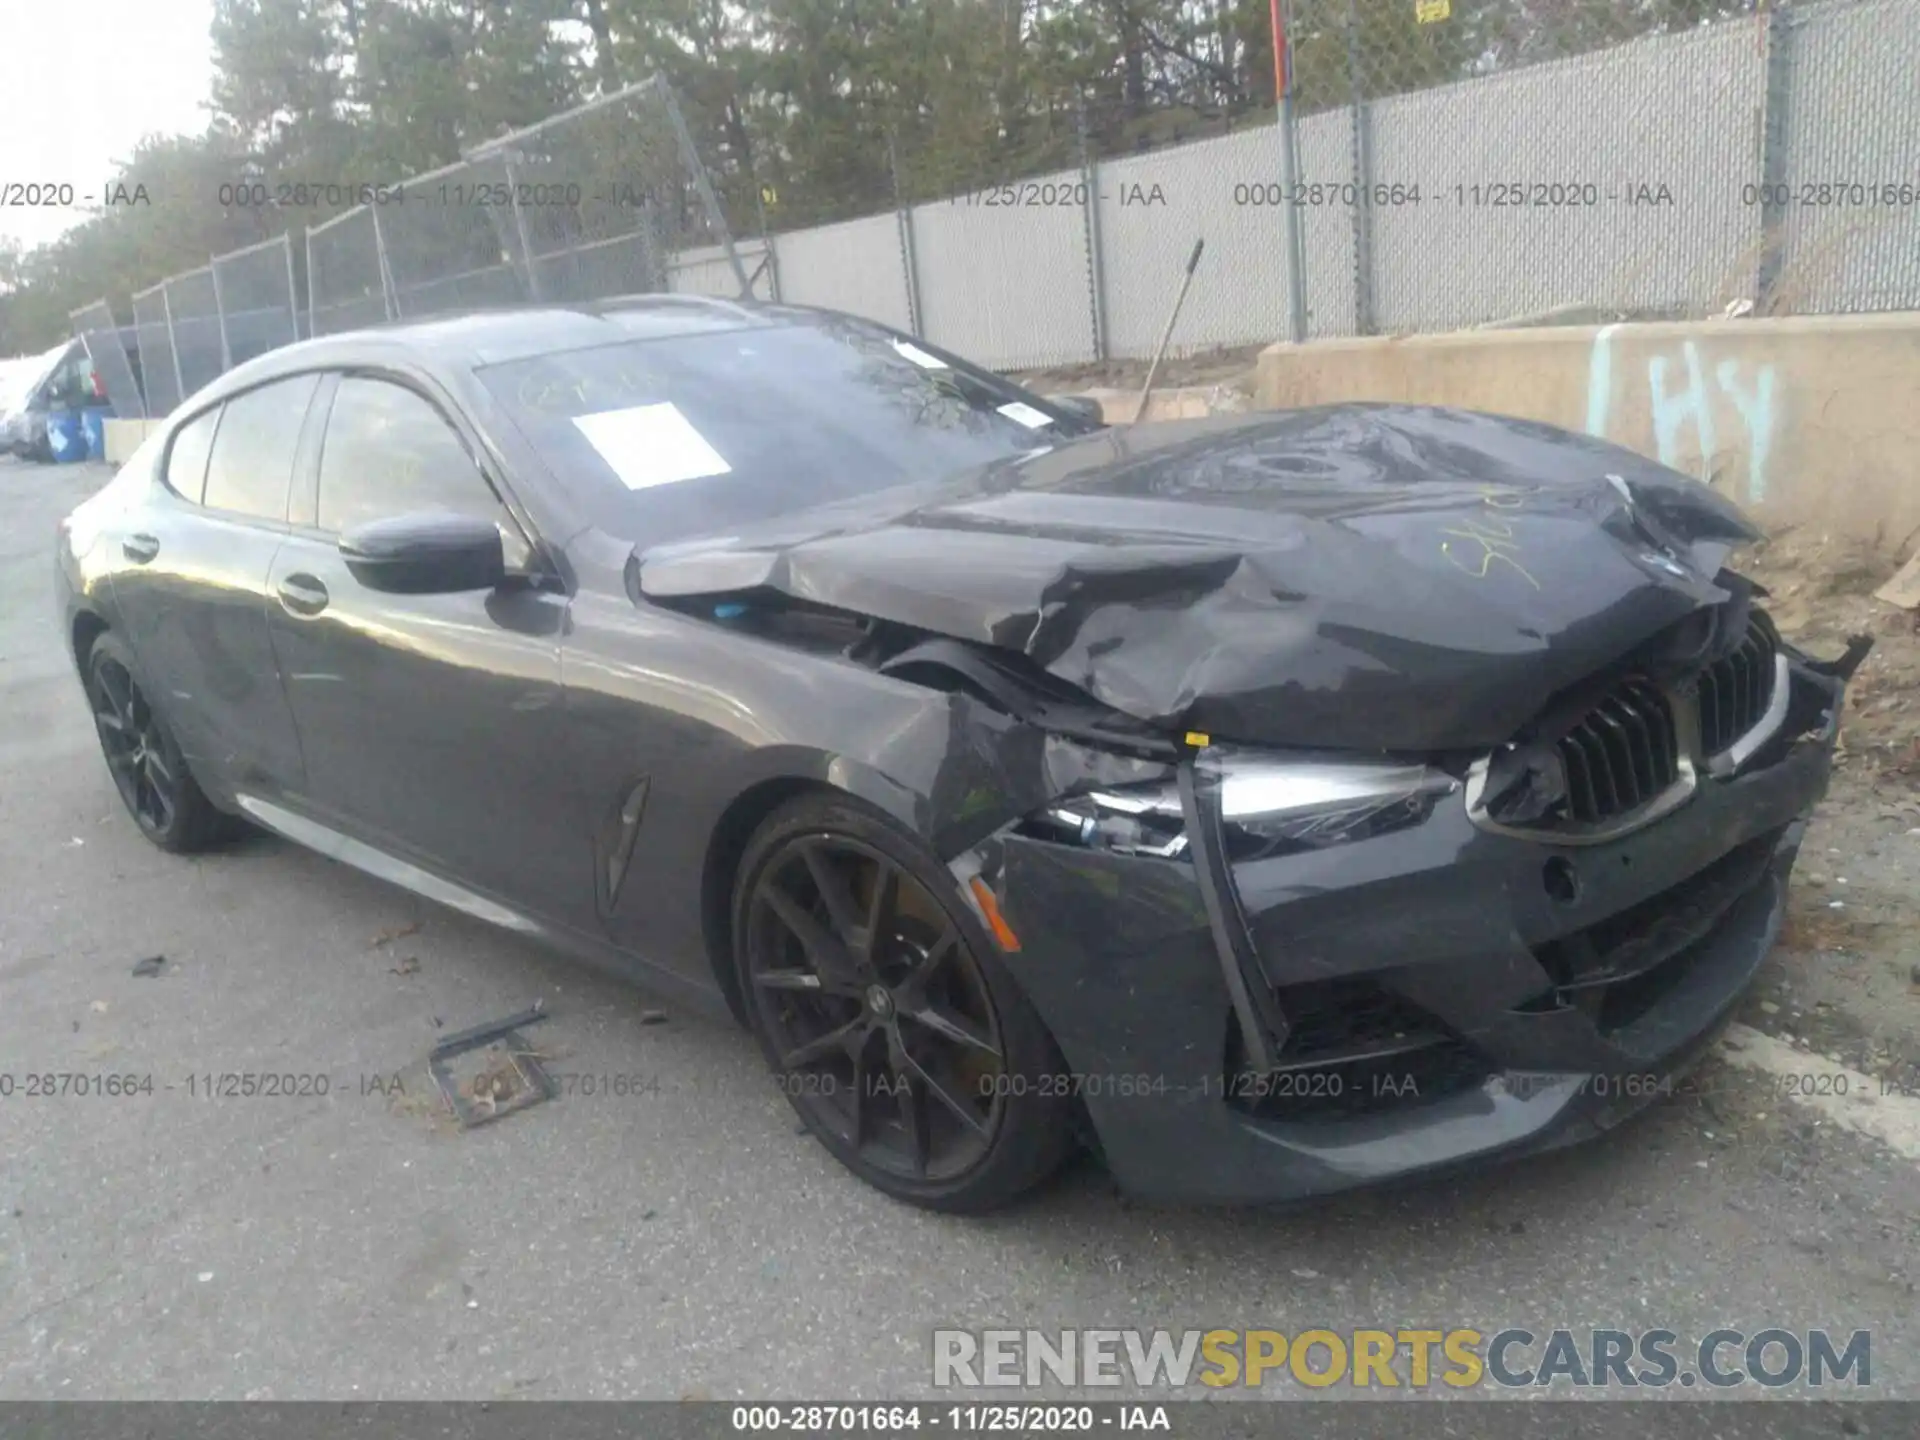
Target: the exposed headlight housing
pixel 1139 820
pixel 1269 805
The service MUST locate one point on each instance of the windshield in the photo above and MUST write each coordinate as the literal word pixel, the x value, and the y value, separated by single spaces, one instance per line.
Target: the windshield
pixel 670 438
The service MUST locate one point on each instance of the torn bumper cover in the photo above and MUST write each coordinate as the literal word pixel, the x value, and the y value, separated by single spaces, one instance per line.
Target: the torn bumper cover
pixel 1269 1011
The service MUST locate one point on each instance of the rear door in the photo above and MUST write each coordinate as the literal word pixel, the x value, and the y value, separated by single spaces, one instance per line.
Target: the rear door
pixel 431 724
pixel 191 586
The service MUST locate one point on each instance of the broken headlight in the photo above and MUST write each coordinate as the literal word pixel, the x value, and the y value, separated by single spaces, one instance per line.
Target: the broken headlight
pixel 1282 807
pixel 1268 807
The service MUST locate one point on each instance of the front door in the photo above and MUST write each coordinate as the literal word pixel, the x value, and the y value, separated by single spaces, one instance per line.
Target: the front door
pixel 432 725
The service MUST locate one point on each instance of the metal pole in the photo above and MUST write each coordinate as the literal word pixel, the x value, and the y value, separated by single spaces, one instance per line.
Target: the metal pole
pixel 173 344
pixel 139 389
pixel 1773 156
pixel 691 158
pixel 1362 169
pixel 909 262
pixel 1166 338
pixel 772 269
pixel 527 132
pixel 389 292
pixel 220 313
pixel 770 260
pixel 659 270
pixel 520 228
pixel 769 257
pixel 1090 220
pixel 293 286
pixel 313 315
pixel 1289 175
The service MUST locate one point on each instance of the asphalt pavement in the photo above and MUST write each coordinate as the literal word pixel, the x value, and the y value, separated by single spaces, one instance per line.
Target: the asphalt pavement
pixel 675 1235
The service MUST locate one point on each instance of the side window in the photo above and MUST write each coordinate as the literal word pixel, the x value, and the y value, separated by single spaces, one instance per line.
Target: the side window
pixel 252 465
pixel 187 457
pixel 70 383
pixel 388 451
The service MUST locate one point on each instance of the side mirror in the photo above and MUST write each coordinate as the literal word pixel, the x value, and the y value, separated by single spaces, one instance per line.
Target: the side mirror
pixel 1084 406
pixel 429 553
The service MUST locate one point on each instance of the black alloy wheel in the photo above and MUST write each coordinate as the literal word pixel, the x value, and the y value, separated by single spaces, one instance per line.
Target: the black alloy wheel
pixel 147 767
pixel 903 1045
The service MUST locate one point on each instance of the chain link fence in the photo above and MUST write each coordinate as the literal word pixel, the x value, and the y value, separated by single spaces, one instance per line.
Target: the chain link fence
pixel 193 316
pixel 1843 138
pixel 610 198
pixel 1493 158
pixel 449 241
pixel 607 199
pixel 1435 164
pixel 107 353
pixel 347 284
pixel 153 342
pixel 1427 164
pixel 259 304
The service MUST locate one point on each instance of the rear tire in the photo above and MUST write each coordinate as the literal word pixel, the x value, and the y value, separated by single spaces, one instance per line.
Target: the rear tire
pixel 893 1028
pixel 148 770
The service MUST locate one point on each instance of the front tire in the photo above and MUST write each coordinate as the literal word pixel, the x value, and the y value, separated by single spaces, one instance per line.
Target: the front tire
pixel 148 770
pixel 886 1015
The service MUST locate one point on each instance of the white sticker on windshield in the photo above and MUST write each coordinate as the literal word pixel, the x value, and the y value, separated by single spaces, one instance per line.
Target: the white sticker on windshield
pixel 1024 413
pixel 651 445
pixel 919 356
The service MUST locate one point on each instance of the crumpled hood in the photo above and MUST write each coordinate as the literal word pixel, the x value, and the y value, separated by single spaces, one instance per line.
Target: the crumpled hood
pixel 1381 577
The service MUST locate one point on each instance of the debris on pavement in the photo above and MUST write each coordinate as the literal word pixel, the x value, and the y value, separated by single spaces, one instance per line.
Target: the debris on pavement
pixel 1904 588
pixel 149 967
pixel 499 1083
pixel 399 932
pixel 511 1077
pixel 653 1017
pixel 410 965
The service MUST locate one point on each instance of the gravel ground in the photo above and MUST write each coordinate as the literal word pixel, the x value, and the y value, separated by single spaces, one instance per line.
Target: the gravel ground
pixel 686 1241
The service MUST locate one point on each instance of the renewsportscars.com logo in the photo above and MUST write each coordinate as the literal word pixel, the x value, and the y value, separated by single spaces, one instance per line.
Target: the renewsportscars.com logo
pixel 1399 1358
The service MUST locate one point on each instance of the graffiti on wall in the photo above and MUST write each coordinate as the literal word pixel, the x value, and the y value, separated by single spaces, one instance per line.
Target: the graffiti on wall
pixel 1697 409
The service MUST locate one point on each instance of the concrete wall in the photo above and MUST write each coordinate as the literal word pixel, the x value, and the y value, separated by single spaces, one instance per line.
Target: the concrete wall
pixel 123 437
pixel 1808 419
pixel 1179 402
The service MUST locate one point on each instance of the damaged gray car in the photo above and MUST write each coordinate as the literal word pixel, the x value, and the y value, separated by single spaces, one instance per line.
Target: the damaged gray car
pixel 1273 803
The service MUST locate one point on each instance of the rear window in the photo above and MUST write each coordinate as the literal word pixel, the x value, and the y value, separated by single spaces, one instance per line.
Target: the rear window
pixel 671 438
pixel 187 456
pixel 252 465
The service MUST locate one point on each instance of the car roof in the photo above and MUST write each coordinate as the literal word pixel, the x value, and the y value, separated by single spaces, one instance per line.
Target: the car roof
pixel 496 335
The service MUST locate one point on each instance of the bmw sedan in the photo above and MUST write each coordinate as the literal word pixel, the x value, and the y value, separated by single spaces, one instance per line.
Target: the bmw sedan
pixel 1272 803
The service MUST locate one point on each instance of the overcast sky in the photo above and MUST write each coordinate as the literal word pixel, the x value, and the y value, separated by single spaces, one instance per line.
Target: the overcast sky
pixel 81 81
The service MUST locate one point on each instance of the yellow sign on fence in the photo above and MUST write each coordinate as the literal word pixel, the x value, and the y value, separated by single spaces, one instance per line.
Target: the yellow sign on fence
pixel 1432 12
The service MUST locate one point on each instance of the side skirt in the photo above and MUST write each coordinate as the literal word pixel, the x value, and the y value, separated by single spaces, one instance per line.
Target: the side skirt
pixel 324 840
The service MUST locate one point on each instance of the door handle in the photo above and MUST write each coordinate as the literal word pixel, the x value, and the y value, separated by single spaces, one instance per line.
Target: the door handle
pixel 303 595
pixel 140 548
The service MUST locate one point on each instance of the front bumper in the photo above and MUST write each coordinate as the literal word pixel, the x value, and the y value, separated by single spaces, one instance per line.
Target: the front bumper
pixel 1503 995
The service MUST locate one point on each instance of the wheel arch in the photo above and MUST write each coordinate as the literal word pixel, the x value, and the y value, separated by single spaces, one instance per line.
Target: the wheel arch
pixel 87 628
pixel 726 846
pixel 727 841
